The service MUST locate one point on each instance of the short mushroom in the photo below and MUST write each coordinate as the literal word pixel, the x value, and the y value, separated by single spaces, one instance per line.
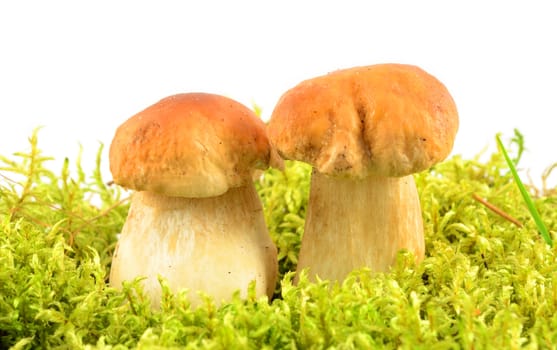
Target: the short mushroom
pixel 195 218
pixel 365 130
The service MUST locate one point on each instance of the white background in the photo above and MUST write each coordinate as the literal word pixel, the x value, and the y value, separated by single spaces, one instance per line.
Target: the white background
pixel 81 68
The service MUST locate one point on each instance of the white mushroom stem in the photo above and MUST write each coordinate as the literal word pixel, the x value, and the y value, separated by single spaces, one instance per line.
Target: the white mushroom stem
pixel 216 245
pixel 352 224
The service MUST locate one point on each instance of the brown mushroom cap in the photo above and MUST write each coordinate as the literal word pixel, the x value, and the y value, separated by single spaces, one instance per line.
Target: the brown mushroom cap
pixel 385 119
pixel 189 145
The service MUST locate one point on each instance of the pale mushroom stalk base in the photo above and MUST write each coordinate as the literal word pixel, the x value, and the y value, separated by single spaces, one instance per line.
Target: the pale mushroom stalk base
pixel 352 224
pixel 216 245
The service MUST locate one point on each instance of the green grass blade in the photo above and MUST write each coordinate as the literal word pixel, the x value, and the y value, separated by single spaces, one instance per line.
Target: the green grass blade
pixel 527 199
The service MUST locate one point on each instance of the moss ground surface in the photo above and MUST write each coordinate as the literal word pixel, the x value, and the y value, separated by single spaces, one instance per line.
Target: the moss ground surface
pixel 485 283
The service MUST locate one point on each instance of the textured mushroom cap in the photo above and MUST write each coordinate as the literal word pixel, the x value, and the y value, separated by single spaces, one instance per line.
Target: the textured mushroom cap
pixel 385 120
pixel 189 145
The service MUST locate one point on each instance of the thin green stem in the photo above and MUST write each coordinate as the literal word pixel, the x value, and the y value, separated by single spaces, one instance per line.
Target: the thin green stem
pixel 527 199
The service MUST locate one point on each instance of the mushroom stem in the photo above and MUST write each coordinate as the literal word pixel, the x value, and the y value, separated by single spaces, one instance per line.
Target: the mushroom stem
pixel 355 223
pixel 217 245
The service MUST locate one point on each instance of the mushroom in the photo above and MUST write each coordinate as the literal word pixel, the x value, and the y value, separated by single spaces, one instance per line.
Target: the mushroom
pixel 195 218
pixel 365 130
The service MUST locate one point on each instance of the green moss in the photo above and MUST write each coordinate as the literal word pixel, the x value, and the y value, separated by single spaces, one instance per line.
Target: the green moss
pixel 485 283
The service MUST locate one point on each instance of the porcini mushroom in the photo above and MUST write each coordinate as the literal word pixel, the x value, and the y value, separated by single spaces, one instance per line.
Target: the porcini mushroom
pixel 195 218
pixel 365 130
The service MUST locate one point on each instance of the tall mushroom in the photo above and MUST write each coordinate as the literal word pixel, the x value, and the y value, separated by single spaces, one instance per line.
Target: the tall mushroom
pixel 364 130
pixel 195 218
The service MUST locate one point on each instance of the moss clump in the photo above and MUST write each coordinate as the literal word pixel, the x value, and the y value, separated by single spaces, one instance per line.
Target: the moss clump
pixel 485 283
